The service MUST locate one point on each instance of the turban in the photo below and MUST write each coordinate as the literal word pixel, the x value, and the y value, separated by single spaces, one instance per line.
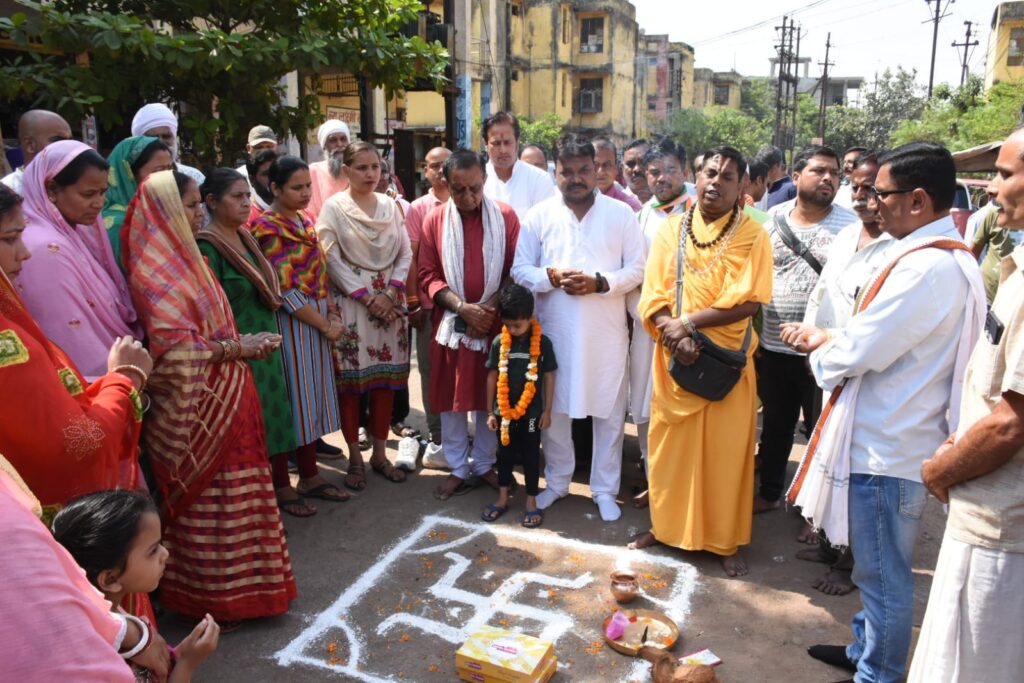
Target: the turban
pixel 331 127
pixel 154 116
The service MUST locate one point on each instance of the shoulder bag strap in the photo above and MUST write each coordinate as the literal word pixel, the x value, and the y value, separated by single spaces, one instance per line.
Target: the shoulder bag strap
pixel 794 244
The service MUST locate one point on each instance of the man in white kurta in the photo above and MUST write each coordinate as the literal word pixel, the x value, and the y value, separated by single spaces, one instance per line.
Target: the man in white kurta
pixel 509 180
pixel 581 253
pixel 666 176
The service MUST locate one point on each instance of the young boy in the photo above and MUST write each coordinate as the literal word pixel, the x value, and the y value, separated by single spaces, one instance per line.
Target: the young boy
pixel 519 354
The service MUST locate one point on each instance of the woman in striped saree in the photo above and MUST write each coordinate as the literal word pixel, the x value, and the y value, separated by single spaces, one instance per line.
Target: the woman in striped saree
pixel 308 319
pixel 204 433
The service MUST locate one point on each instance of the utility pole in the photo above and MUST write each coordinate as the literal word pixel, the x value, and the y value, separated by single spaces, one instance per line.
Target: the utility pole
pixel 786 89
pixel 796 91
pixel 966 45
pixel 824 89
pixel 783 64
pixel 939 15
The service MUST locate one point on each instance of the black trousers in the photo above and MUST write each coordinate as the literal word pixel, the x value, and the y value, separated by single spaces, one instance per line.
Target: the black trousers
pixel 785 385
pixel 523 449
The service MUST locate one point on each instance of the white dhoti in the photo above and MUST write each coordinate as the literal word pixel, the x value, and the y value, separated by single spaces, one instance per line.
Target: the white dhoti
pixel 972 628
pixel 456 444
pixel 606 467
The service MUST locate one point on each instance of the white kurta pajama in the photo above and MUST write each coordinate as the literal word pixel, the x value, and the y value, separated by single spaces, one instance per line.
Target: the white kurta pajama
pixel 641 346
pixel 588 332
pixel 527 187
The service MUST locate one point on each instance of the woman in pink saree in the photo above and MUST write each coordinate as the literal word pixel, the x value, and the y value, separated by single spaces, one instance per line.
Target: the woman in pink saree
pixel 72 285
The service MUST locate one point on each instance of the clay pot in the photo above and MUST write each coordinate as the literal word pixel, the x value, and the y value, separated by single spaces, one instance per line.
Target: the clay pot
pixel 625 586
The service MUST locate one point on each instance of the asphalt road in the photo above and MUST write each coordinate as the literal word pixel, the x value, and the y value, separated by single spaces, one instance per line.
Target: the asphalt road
pixel 391 581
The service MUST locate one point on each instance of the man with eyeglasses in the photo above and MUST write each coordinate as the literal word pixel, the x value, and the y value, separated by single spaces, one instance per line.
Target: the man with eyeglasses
pixel 801 232
pixel 855 255
pixel 606 160
pixel 895 372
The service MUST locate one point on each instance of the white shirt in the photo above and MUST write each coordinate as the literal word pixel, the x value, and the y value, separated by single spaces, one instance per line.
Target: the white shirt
pixel 641 347
pixel 844 196
pixel 527 187
pixel 588 332
pixel 846 271
pixel 904 346
pixel 15 179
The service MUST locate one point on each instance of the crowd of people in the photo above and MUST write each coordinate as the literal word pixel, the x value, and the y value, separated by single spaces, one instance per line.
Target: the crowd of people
pixel 173 344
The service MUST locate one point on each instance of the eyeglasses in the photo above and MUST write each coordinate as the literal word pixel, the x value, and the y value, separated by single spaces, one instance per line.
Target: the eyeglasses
pixel 882 194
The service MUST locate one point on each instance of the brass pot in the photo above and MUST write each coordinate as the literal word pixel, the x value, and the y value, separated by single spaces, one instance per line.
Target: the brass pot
pixel 625 586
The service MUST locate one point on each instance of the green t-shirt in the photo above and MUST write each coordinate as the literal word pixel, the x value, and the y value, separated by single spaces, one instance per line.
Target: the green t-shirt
pixel 518 361
pixel 999 245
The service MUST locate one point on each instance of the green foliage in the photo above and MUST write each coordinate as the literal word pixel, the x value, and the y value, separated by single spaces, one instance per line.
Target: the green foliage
pixel 543 131
pixel 224 62
pixel 896 98
pixel 699 130
pixel 966 117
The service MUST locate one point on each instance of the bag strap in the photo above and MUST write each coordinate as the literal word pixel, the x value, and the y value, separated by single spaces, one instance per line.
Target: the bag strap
pixel 679 286
pixel 794 244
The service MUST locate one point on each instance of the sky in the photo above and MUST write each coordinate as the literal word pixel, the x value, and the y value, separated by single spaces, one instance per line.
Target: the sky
pixel 867 35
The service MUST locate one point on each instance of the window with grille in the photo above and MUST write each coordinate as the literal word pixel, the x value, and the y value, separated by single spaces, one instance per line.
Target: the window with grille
pixel 591 95
pixel 592 34
pixel 722 95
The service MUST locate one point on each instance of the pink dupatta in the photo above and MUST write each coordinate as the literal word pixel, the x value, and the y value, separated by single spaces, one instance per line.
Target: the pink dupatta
pixel 72 285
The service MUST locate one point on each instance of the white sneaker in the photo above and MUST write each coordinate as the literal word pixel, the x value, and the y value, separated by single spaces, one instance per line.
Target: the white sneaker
pixel 408 450
pixel 433 457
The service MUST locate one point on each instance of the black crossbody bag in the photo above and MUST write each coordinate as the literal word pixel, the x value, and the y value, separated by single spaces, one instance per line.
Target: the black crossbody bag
pixel 716 370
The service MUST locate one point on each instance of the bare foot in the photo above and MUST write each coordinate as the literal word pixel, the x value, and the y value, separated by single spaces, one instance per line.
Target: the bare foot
pixel 447 488
pixel 734 565
pixel 644 540
pixel 762 505
pixel 818 553
pixel 808 535
pixel 835 582
pixel 640 500
pixel 491 479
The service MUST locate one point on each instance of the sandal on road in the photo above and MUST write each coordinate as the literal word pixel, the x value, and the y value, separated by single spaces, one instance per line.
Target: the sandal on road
pixel 492 512
pixel 384 468
pixel 296 507
pixel 326 491
pixel 533 518
pixel 355 477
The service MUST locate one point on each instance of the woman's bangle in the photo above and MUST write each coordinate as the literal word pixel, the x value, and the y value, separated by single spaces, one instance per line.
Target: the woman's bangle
pixel 412 300
pixel 232 349
pixel 143 641
pixel 391 294
pixel 128 367
pixel 415 309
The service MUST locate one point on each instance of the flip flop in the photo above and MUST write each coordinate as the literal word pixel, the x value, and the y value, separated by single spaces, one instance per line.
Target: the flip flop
pixel 326 491
pixel 493 512
pixel 466 486
pixel 402 430
pixel 292 507
pixel 533 513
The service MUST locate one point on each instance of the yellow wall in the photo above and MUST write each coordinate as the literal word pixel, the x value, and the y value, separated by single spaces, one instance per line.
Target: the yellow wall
pixel 424 109
pixel 546 54
pixel 997 70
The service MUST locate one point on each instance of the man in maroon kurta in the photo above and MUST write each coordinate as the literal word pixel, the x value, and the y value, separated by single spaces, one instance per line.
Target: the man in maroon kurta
pixel 458 376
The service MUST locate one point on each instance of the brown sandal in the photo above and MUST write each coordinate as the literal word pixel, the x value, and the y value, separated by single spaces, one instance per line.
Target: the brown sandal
pixel 384 468
pixel 355 477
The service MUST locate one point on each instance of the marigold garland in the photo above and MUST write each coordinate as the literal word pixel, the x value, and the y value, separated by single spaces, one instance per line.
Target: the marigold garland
pixel 507 412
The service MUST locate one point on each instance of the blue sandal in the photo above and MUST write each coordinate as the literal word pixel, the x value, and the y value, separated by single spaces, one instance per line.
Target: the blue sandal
pixel 539 514
pixel 493 512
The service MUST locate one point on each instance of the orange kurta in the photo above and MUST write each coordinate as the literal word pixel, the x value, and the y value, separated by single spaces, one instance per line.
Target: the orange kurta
pixel 701 465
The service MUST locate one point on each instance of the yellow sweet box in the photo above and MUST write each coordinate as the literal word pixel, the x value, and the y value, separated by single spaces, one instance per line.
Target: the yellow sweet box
pixel 493 655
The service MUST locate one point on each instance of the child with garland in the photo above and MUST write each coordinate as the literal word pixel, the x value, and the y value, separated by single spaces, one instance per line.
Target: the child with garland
pixel 520 386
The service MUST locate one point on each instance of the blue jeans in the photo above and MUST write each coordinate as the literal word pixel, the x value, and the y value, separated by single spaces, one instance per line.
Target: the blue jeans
pixel 885 513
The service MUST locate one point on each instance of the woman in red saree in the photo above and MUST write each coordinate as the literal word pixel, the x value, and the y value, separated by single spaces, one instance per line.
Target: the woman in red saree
pixel 204 433
pixel 66 436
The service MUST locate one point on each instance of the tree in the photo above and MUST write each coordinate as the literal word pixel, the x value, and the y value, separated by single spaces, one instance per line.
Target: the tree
pixel 543 131
pixel 966 116
pixel 895 98
pixel 224 62
pixel 698 130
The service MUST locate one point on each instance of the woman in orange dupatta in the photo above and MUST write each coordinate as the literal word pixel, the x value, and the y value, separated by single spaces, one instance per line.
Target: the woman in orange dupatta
pixel 204 434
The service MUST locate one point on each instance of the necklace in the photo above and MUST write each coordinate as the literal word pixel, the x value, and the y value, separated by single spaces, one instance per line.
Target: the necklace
pixel 718 238
pixel 725 235
pixel 507 412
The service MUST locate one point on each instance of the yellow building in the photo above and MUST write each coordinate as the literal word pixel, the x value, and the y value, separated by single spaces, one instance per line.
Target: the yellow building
pixel 579 60
pixel 716 88
pixel 669 80
pixel 1005 61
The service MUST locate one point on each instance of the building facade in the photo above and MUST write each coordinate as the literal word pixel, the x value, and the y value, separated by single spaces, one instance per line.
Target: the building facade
pixel 669 76
pixel 579 60
pixel 716 89
pixel 1005 59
